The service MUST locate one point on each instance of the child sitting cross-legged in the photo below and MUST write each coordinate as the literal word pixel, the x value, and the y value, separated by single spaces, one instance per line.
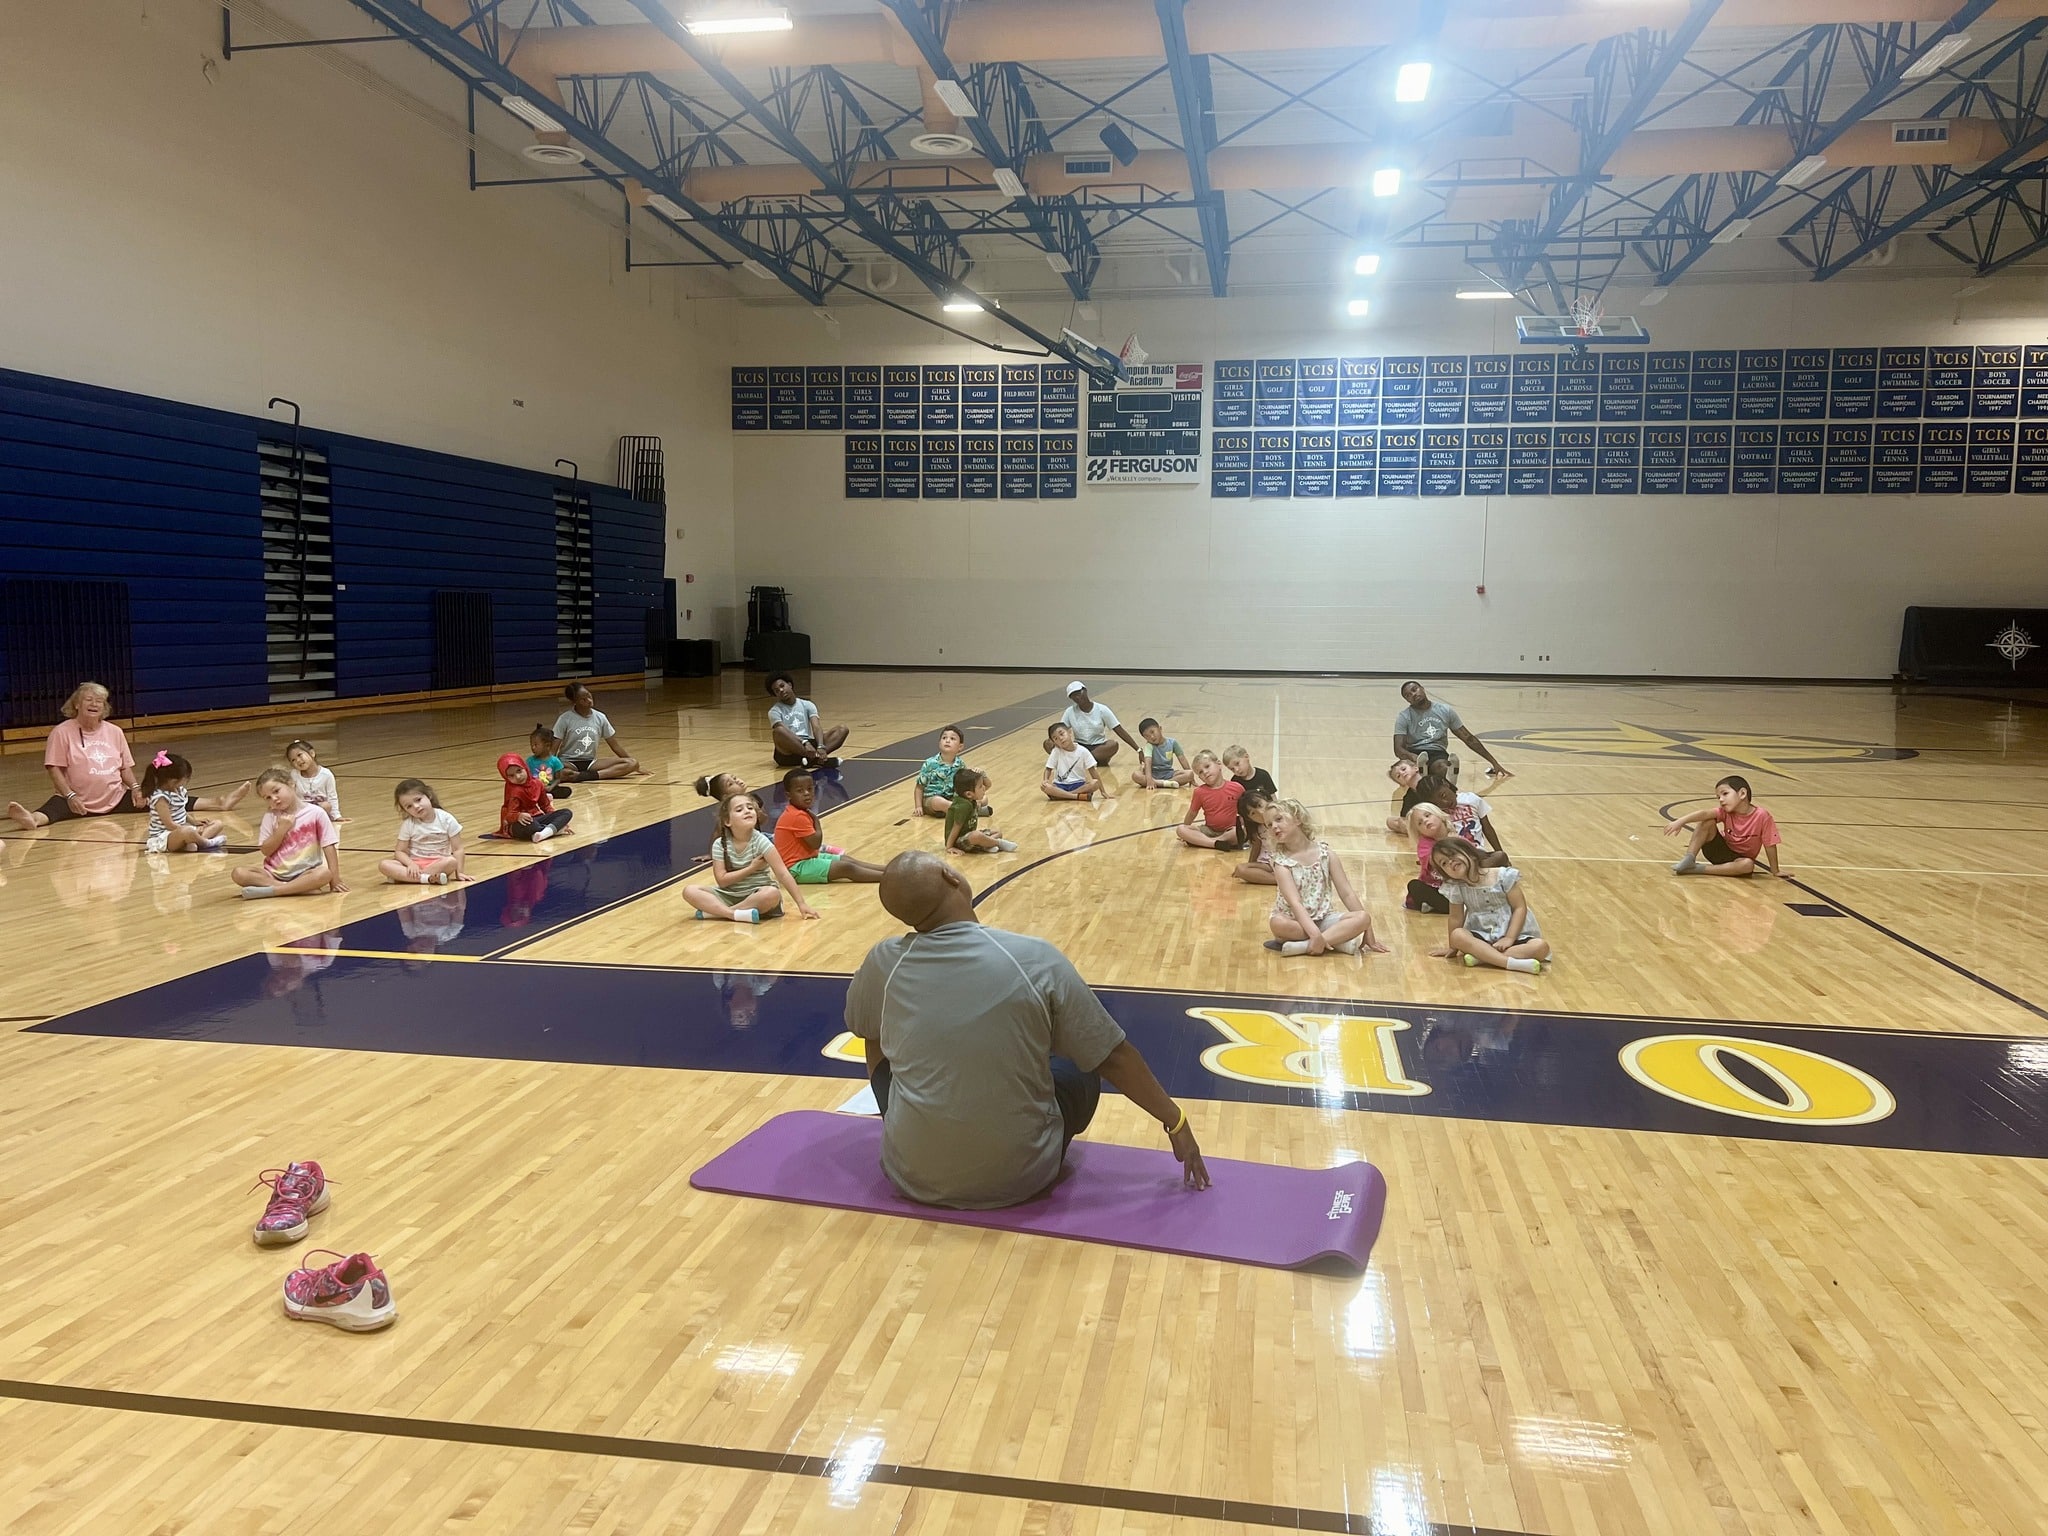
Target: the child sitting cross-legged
pixel 1317 910
pixel 1214 800
pixel 1491 923
pixel 1070 771
pixel 1254 808
pixel 1156 768
pixel 749 876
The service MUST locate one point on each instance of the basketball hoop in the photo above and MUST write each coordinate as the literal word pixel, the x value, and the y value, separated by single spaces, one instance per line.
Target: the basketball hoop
pixel 1586 311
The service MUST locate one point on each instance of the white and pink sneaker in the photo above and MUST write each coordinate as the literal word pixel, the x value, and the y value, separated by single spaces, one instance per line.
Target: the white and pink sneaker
pixel 297 1194
pixel 351 1293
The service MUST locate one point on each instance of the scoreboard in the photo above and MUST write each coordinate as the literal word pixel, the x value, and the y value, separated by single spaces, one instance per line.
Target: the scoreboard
pixel 1147 430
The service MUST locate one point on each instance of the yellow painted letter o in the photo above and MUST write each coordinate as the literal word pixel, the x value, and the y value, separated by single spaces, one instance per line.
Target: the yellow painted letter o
pixel 1819 1090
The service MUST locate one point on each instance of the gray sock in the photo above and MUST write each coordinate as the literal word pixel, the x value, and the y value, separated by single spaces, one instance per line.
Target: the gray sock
pixel 1685 866
pixel 1006 845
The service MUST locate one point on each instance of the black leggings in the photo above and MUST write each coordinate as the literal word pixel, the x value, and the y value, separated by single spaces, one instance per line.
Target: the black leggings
pixel 1424 897
pixel 57 808
pixel 553 819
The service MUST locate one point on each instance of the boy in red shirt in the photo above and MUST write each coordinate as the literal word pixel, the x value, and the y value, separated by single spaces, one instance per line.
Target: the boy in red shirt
pixel 1215 803
pixel 1731 837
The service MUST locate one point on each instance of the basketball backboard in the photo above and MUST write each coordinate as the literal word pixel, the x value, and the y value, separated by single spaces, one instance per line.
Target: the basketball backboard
pixel 1569 331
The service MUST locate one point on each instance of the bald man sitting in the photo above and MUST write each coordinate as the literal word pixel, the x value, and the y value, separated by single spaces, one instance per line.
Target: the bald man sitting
pixel 986 1050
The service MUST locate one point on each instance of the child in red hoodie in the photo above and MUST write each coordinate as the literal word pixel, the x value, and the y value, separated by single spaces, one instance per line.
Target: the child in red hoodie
pixel 528 813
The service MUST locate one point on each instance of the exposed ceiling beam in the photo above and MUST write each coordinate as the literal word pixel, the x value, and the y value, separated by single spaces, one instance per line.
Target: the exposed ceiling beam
pixel 477 68
pixel 1195 103
pixel 1941 187
pixel 856 213
pixel 1067 239
pixel 1880 90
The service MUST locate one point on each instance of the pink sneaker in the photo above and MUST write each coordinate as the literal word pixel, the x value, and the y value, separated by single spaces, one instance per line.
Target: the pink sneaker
pixel 296 1194
pixel 351 1293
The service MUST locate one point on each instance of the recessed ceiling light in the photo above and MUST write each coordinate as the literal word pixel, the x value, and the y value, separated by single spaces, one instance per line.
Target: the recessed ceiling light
pixel 1356 309
pixel 1368 262
pixel 1799 174
pixel 725 21
pixel 1936 56
pixel 955 96
pixel 531 115
pixel 1411 82
pixel 1386 181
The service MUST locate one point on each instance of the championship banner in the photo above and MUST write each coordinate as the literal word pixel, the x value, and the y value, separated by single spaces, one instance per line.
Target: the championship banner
pixel 1148 429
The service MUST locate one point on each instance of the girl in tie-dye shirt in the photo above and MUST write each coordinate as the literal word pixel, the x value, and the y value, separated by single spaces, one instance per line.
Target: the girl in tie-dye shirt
pixel 299 844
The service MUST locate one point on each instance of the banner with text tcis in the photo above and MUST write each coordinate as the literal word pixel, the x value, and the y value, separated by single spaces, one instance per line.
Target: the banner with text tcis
pixel 1148 429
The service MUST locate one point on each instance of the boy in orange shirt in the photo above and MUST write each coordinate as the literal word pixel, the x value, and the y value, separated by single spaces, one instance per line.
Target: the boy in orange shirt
pixel 802 846
pixel 1730 837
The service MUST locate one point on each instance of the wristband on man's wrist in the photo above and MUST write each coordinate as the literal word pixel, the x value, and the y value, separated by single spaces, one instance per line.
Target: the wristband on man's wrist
pixel 1179 1125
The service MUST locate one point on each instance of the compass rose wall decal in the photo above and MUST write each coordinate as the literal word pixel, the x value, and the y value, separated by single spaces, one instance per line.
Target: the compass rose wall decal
pixel 1736 749
pixel 2013 643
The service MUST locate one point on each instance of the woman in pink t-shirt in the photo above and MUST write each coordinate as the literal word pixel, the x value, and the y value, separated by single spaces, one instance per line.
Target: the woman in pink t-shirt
pixel 89 765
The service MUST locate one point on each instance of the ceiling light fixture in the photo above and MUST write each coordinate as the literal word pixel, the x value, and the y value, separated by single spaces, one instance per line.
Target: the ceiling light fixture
pixel 1799 174
pixel 1936 55
pixel 1356 309
pixel 1368 262
pixel 1058 263
pixel 1411 82
pixel 1386 181
pixel 668 207
pixel 1008 182
pixel 756 268
pixel 962 306
pixel 1732 230
pixel 531 115
pixel 955 96
pixel 1484 293
pixel 726 21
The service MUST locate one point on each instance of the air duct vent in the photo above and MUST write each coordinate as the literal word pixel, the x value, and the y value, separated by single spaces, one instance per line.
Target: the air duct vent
pixel 1089 167
pixel 1919 133
pixel 944 145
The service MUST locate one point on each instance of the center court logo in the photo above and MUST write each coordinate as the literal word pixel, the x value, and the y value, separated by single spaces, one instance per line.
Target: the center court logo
pixel 1734 749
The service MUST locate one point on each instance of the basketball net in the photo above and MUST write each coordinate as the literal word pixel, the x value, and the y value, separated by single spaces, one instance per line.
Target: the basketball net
pixel 1586 311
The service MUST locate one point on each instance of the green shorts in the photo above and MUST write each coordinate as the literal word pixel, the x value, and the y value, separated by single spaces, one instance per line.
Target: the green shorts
pixel 812 871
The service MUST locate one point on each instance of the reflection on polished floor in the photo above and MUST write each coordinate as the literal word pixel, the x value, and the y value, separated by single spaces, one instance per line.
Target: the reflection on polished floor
pixel 1731 1223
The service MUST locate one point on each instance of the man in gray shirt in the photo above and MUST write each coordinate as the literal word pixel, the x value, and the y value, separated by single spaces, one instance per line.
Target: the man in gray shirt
pixel 1423 731
pixel 984 1048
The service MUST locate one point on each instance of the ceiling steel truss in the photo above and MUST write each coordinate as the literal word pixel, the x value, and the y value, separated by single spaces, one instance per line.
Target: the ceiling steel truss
pixel 807 171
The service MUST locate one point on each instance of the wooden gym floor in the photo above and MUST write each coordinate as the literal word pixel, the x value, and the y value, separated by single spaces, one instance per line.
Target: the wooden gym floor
pixel 1733 1223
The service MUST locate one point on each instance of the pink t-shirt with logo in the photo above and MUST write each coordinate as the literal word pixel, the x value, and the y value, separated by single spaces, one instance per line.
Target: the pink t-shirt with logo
pixel 301 849
pixel 91 761
pixel 1750 833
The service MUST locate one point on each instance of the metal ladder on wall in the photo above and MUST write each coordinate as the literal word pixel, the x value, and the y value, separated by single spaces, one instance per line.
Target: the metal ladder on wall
pixel 298 570
pixel 575 580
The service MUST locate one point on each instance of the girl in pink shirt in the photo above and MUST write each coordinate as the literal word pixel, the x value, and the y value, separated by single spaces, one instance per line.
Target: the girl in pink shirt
pixel 1730 837
pixel 299 844
pixel 89 765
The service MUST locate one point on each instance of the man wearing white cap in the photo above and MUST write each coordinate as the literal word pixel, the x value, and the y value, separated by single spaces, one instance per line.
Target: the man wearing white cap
pixel 1092 724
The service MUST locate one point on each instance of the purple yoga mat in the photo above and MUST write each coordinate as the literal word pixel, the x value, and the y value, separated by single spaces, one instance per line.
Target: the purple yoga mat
pixel 1131 1197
